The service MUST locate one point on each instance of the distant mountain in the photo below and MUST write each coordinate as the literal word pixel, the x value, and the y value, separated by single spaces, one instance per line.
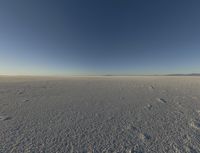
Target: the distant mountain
pixel 191 74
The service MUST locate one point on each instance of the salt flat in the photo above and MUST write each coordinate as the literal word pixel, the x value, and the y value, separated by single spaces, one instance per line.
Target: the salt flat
pixel 152 114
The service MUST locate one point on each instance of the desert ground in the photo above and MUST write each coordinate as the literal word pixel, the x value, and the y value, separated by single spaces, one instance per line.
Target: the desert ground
pixel 135 114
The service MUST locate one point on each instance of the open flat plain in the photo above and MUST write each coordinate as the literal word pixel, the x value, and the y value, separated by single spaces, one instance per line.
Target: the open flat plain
pixel 136 114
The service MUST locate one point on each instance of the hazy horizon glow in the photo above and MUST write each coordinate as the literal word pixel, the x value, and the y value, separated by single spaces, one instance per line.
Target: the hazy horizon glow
pixel 48 37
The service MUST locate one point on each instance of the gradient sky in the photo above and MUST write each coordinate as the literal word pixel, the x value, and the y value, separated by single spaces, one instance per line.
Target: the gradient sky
pixel 64 37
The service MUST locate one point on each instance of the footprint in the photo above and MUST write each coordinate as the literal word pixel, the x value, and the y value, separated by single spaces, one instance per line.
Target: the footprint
pixel 190 149
pixel 198 112
pixel 176 149
pixel 149 106
pixel 20 92
pixel 161 100
pixel 179 104
pixel 129 127
pixel 90 149
pixel 195 124
pixel 4 118
pixel 25 100
pixel 136 149
pixel 144 137
pixel 44 87
pixel 122 98
pixel 151 87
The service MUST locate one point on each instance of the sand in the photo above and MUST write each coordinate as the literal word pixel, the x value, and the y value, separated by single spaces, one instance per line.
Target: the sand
pixel 152 114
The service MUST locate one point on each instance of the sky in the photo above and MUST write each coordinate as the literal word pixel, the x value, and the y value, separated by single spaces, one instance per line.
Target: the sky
pixel 99 37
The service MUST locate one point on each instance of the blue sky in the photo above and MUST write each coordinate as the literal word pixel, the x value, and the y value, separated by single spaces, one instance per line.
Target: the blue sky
pixel 65 37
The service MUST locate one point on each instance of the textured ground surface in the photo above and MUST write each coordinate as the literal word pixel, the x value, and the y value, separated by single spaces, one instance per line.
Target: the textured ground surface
pixel 100 114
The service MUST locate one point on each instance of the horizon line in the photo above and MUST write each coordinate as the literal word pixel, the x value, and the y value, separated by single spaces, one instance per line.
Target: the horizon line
pixel 103 75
